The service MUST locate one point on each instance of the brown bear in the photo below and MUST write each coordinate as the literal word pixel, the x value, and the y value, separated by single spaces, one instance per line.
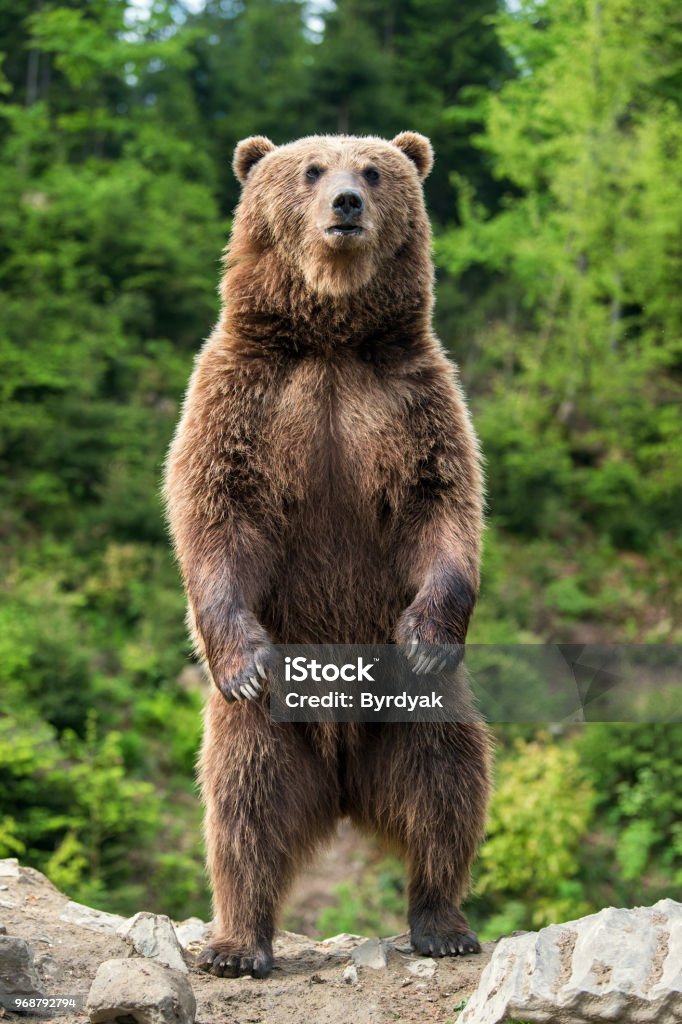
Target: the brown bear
pixel 324 486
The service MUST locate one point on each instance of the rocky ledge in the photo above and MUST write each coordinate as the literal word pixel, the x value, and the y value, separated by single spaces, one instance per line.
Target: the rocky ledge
pixel 71 963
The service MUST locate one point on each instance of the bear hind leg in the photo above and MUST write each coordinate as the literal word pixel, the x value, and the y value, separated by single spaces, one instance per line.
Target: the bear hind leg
pixel 269 803
pixel 442 841
pixel 431 806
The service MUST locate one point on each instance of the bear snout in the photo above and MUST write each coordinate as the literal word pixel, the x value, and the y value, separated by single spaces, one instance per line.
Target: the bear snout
pixel 347 204
pixel 342 209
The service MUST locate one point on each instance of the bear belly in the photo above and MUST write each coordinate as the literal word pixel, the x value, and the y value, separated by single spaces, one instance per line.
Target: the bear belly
pixel 337 582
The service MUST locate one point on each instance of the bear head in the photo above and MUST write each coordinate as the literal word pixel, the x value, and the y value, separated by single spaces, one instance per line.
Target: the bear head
pixel 333 212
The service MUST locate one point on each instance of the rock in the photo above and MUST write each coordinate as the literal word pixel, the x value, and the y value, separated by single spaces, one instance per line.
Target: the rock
pixel 18 975
pixel 3 929
pixel 31 877
pixel 401 943
pixel 153 936
pixel 350 975
pixel 340 946
pixel 192 932
pixel 140 992
pixel 48 968
pixel 291 944
pixel 343 939
pixel 425 968
pixel 88 917
pixel 617 965
pixel 370 954
pixel 281 935
pixel 9 867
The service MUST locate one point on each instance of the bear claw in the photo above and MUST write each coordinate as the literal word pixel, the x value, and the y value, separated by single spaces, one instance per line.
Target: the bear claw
pixel 430 659
pixel 246 684
pixel 233 963
pixel 455 944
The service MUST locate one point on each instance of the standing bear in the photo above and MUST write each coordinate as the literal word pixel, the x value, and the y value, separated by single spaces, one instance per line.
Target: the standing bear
pixel 324 486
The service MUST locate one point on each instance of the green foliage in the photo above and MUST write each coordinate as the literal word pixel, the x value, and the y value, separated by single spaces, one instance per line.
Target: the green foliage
pixel 78 805
pixel 638 778
pixel 373 907
pixel 111 237
pixel 587 140
pixel 540 816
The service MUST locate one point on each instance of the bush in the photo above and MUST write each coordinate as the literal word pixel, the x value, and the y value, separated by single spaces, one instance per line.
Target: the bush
pixel 539 819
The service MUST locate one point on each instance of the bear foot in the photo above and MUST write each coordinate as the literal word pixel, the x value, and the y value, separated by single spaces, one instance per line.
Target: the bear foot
pixel 225 961
pixel 454 943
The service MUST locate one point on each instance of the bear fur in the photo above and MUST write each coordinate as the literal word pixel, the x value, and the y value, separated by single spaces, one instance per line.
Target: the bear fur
pixel 324 486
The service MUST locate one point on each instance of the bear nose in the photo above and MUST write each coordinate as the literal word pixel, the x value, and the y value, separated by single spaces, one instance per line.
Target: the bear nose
pixel 348 204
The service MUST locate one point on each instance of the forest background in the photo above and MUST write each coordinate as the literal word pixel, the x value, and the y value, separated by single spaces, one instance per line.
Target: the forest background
pixel 557 214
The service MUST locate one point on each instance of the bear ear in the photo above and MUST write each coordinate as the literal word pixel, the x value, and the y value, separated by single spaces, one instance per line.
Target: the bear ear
pixel 418 149
pixel 248 153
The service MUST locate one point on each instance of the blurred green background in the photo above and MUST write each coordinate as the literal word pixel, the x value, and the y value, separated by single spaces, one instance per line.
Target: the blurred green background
pixel 557 212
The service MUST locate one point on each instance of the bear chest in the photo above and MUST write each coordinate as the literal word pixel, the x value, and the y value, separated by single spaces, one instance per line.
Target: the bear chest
pixel 340 434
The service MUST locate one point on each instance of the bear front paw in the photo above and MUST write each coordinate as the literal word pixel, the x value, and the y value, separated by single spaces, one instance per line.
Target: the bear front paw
pixel 427 646
pixel 245 681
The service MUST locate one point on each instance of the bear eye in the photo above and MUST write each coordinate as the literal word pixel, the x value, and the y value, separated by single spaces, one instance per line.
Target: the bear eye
pixel 371 175
pixel 313 173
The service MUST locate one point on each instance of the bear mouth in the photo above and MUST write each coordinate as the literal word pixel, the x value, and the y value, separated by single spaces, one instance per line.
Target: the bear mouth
pixel 344 229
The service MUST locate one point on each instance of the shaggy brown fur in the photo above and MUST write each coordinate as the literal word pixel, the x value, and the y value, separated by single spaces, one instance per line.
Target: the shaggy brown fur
pixel 324 486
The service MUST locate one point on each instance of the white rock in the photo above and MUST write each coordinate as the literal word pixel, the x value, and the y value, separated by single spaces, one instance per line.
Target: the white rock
pixel 425 968
pixel 370 954
pixel 192 931
pixel 142 991
pixel 350 975
pixel 88 917
pixel 617 965
pixel 18 975
pixel 340 946
pixel 291 945
pixel 153 936
pixel 9 867
pixel 342 939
